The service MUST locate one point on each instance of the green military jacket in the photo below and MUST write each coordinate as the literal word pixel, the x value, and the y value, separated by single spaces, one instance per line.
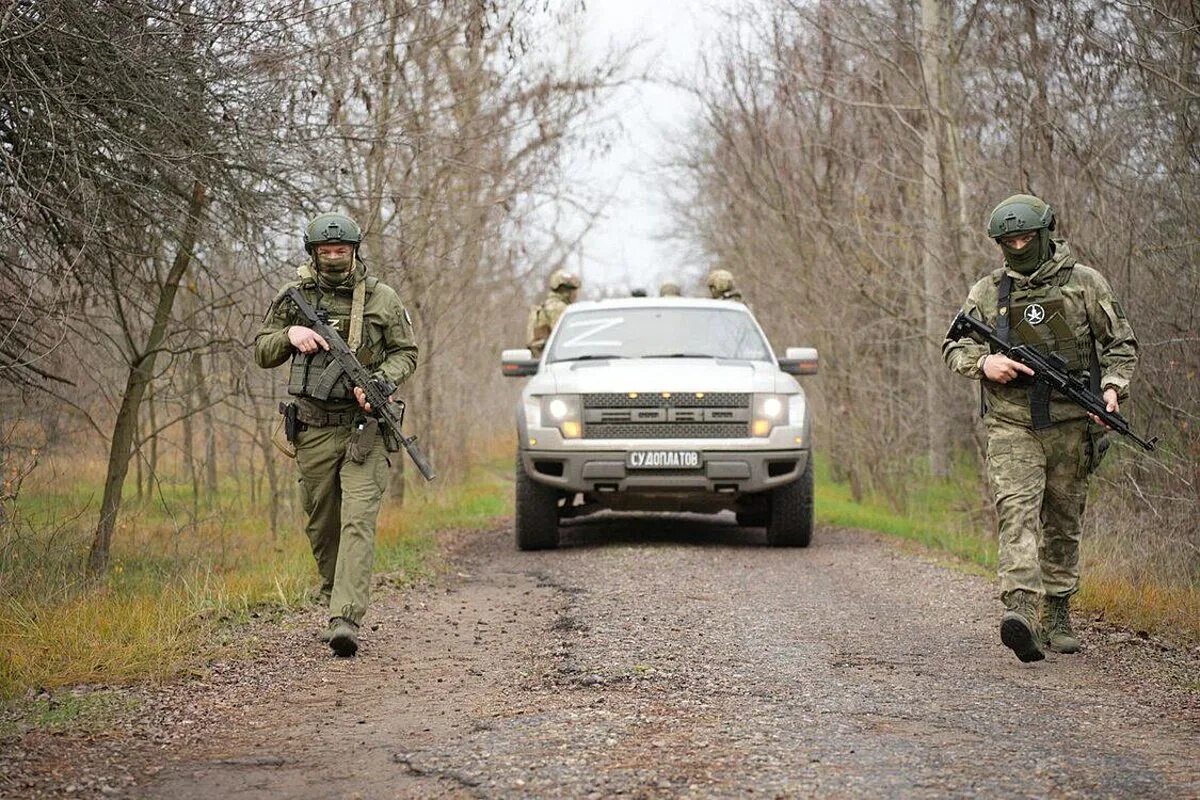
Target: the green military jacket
pixel 1064 307
pixel 387 348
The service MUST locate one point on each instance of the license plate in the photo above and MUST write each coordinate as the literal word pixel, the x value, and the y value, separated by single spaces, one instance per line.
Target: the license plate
pixel 663 459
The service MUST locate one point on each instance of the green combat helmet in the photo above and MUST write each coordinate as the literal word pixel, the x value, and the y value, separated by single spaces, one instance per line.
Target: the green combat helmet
pixel 670 289
pixel 561 279
pixel 1021 212
pixel 331 228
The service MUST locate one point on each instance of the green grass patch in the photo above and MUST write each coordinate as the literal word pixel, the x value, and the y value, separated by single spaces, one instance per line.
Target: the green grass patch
pixel 941 514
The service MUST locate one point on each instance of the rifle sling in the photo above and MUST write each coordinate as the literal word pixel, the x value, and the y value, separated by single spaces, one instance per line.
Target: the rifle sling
pixel 1003 299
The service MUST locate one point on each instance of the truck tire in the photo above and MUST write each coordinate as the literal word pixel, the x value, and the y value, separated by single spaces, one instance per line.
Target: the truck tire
pixel 791 520
pixel 536 513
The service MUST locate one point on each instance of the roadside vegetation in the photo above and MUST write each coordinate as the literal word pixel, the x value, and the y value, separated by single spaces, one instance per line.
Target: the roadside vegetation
pixel 950 516
pixel 175 581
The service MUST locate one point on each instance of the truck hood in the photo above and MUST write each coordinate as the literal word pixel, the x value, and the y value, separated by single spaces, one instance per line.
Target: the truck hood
pixel 661 375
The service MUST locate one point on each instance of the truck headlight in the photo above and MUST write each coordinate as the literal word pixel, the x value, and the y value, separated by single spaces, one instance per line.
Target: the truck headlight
pixel 563 412
pixel 769 410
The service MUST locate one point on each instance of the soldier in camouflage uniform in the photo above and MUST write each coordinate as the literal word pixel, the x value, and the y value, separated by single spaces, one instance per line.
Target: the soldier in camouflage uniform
pixel 1042 449
pixel 343 460
pixel 669 289
pixel 720 286
pixel 564 288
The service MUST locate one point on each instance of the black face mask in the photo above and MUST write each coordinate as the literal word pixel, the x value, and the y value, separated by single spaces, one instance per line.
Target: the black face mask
pixel 1026 260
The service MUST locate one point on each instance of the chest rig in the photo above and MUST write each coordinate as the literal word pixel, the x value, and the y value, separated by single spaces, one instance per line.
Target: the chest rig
pixel 1038 317
pixel 317 375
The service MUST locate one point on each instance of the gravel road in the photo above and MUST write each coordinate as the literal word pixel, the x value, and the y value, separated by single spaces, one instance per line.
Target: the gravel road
pixel 680 656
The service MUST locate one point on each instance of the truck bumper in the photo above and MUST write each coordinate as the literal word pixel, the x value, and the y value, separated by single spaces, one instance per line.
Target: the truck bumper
pixel 723 471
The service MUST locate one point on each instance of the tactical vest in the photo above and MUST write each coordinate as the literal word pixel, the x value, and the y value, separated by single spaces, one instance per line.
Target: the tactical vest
pixel 1037 317
pixel 317 375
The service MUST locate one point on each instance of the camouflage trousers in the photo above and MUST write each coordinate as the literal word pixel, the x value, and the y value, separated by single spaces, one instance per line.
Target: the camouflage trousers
pixel 341 499
pixel 1040 481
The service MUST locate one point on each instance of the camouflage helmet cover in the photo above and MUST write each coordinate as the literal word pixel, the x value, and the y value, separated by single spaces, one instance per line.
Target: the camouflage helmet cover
pixel 560 278
pixel 669 289
pixel 331 228
pixel 720 280
pixel 1021 212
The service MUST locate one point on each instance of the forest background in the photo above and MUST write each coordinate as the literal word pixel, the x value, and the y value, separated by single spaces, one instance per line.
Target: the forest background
pixel 158 160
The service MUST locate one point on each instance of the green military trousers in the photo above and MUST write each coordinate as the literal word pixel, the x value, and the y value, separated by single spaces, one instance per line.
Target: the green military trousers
pixel 341 499
pixel 1040 483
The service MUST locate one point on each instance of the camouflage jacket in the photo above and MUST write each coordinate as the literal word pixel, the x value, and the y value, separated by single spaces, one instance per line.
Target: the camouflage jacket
pixel 387 347
pixel 542 319
pixel 1079 301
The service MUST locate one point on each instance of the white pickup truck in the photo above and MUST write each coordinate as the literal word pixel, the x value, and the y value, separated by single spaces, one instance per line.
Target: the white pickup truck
pixel 662 404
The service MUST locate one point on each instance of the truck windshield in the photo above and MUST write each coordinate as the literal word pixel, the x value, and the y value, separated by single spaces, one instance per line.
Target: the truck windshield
pixel 658 333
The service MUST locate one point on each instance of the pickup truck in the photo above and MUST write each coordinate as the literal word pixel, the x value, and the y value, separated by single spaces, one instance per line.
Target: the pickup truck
pixel 662 404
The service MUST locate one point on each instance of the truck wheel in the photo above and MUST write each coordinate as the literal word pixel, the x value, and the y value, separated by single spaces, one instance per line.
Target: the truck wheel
pixel 537 513
pixel 791 520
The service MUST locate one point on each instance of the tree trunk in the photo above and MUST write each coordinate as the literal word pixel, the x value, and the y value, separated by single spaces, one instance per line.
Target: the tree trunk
pixel 932 230
pixel 203 401
pixel 141 370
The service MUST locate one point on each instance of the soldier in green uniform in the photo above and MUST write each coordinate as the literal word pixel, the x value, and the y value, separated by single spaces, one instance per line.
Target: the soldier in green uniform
pixel 720 286
pixel 564 288
pixel 343 460
pixel 1041 449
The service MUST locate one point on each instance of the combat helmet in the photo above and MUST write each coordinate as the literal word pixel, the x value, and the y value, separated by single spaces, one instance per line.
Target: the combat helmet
pixel 669 289
pixel 720 281
pixel 331 228
pixel 1021 212
pixel 561 279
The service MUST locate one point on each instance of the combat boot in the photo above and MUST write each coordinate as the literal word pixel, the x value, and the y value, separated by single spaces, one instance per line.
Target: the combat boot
pixel 1019 629
pixel 343 637
pixel 1056 625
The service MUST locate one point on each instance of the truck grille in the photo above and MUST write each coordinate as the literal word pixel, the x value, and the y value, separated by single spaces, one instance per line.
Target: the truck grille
pixel 667 430
pixel 717 415
pixel 676 400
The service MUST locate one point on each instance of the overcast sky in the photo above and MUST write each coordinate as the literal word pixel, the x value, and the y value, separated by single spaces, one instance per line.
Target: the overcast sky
pixel 625 249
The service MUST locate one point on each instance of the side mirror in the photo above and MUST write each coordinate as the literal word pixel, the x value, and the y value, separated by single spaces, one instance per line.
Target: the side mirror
pixel 518 363
pixel 799 361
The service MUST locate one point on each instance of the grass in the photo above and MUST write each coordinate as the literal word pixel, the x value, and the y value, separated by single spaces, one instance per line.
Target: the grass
pixel 175 581
pixel 942 515
pixel 945 516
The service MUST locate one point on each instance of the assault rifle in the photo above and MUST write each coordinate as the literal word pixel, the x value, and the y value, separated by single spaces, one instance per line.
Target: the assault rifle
pixel 1049 374
pixel 378 391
